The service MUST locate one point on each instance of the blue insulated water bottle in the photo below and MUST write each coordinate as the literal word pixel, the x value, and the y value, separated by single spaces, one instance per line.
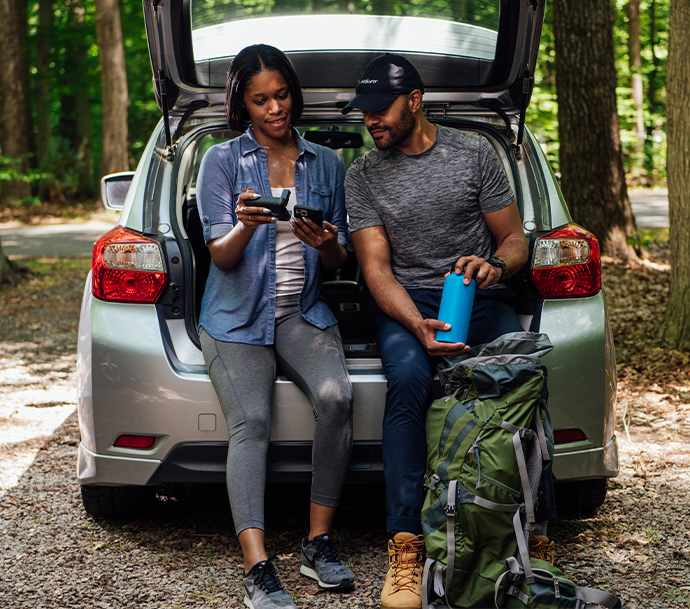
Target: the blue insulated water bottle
pixel 456 308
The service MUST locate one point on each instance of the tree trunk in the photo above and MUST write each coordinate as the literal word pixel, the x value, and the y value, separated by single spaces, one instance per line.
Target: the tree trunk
pixel 652 91
pixel 75 123
pixel 114 85
pixel 14 135
pixel 636 169
pixel 8 272
pixel 591 158
pixel 43 127
pixel 675 329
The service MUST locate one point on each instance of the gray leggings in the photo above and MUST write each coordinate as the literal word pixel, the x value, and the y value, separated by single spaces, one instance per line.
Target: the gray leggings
pixel 243 377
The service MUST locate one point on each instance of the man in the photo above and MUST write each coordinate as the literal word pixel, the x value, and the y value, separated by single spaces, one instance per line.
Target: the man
pixel 429 199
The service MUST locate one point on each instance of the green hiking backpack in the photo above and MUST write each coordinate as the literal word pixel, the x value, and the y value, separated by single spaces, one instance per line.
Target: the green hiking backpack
pixel 489 441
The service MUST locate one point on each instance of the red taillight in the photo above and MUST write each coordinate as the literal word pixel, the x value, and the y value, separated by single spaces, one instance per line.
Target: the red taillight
pixel 127 267
pixel 565 436
pixel 566 263
pixel 129 441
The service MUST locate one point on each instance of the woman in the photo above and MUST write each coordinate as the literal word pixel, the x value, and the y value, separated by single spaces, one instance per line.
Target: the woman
pixel 262 308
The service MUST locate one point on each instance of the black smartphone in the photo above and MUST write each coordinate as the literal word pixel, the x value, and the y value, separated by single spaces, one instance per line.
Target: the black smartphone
pixel 277 205
pixel 312 213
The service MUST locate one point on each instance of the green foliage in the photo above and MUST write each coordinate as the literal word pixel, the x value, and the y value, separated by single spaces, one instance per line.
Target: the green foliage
pixel 15 170
pixel 68 167
pixel 542 114
pixel 61 170
pixel 653 238
pixel 143 110
pixel 654 18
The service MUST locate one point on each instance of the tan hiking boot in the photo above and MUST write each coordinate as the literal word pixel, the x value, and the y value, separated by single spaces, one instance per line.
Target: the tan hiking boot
pixel 540 547
pixel 403 587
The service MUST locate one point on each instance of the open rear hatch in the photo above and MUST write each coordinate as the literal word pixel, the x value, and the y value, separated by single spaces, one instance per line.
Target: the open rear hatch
pixel 472 54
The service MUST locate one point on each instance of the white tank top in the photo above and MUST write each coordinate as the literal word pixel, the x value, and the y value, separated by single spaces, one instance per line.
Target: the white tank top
pixel 289 261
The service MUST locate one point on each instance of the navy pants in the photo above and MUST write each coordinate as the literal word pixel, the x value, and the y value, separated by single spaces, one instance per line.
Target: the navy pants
pixel 409 370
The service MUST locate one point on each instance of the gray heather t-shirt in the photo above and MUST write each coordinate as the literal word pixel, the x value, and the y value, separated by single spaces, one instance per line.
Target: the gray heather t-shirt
pixel 431 204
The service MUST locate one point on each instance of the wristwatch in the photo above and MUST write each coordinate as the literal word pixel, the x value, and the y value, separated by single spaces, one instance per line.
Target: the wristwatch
pixel 499 264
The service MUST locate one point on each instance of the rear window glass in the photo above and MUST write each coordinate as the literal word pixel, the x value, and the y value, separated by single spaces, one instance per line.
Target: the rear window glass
pixel 460 28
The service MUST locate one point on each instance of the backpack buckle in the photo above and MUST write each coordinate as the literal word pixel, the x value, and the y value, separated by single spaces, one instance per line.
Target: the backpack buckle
pixel 432 482
pixel 526 434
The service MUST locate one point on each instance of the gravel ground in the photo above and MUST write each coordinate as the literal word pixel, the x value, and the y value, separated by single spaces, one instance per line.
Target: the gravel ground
pixel 184 554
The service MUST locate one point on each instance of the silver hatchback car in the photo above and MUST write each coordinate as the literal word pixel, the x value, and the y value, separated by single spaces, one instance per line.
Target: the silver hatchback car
pixel 148 414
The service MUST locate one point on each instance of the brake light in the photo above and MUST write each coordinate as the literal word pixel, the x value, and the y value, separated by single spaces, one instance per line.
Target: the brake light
pixel 127 267
pixel 565 436
pixel 566 263
pixel 131 441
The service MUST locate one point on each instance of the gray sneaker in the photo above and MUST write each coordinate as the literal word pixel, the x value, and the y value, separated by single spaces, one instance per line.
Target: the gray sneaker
pixel 320 562
pixel 263 590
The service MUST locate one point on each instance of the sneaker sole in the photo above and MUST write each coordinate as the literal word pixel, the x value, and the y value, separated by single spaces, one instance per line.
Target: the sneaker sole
pixel 248 603
pixel 309 572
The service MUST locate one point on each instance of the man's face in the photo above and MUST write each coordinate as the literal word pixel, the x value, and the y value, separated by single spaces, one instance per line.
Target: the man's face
pixel 392 126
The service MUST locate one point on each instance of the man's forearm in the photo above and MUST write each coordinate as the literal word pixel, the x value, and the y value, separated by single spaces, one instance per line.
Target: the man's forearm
pixel 514 252
pixel 392 298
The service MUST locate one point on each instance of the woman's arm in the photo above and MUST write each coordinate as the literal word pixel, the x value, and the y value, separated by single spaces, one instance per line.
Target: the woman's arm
pixel 228 250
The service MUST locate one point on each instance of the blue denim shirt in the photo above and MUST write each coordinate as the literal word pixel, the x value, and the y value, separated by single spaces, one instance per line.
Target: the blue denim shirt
pixel 239 304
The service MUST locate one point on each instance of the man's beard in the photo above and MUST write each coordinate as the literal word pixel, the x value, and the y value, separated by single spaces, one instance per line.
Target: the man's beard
pixel 398 133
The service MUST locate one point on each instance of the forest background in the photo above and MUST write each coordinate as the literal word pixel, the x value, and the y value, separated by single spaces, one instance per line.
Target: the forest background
pixel 62 58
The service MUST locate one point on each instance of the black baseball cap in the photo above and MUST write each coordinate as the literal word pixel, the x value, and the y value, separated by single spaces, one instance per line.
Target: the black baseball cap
pixel 381 81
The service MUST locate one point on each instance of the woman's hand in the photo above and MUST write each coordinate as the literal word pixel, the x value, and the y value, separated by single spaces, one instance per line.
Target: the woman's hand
pixel 323 238
pixel 250 216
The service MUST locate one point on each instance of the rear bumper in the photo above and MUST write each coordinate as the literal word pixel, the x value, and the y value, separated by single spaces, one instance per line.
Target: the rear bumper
pixel 205 462
pixel 601 462
pixel 149 391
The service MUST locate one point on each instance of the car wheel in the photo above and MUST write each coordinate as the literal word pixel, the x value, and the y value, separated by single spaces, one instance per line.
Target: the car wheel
pixel 583 496
pixel 114 501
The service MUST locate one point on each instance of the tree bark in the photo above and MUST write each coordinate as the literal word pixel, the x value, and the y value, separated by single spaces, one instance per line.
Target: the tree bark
pixel 8 271
pixel 75 121
pixel 675 329
pixel 42 92
pixel 591 157
pixel 14 135
pixel 636 168
pixel 652 91
pixel 114 85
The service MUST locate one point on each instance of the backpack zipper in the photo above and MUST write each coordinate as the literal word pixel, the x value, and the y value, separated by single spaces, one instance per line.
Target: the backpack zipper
pixel 476 447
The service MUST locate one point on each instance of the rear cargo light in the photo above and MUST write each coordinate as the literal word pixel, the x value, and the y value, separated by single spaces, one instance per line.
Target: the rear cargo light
pixel 564 436
pixel 566 263
pixel 127 267
pixel 130 441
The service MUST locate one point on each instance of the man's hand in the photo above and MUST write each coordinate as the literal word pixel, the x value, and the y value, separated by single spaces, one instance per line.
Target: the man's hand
pixel 484 273
pixel 425 331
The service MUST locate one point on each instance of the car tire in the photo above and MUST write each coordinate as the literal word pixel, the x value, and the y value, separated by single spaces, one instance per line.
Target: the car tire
pixel 115 501
pixel 581 497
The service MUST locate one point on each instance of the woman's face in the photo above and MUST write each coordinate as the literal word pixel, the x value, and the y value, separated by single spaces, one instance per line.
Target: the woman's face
pixel 269 105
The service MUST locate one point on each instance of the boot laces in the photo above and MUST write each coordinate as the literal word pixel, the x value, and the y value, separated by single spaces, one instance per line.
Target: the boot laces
pixel 406 562
pixel 542 548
